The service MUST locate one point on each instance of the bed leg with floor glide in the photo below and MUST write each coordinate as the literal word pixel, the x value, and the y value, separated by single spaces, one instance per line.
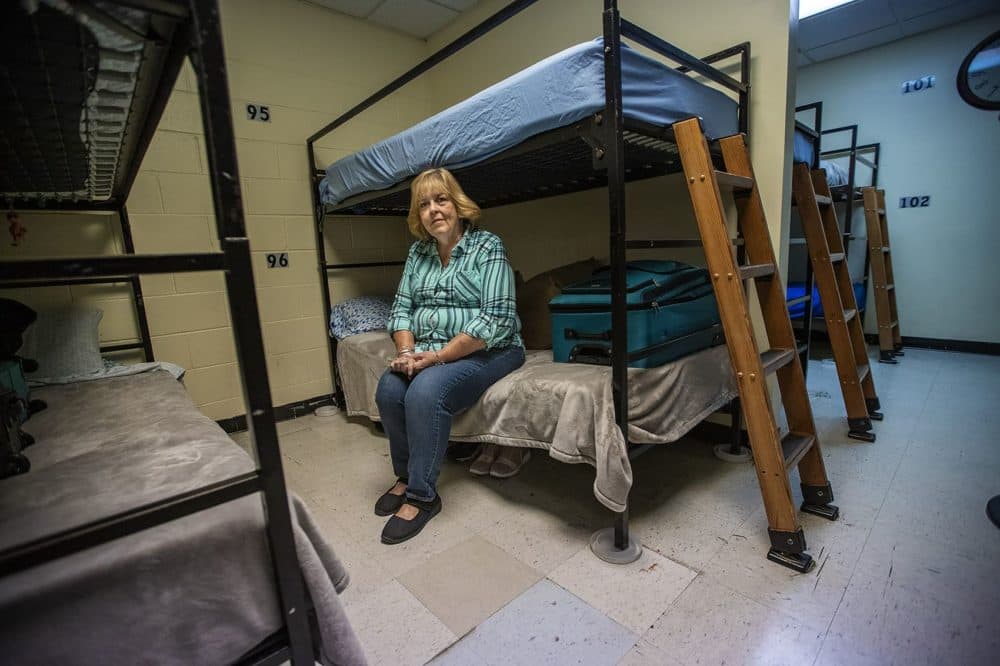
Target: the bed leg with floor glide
pixel 615 544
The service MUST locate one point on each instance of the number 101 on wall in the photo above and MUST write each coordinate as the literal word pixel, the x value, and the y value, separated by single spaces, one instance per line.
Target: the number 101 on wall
pixel 916 85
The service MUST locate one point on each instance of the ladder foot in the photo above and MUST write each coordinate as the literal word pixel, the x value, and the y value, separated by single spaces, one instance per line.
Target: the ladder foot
pixel 873 405
pixel 801 562
pixel 898 351
pixel 887 357
pixel 876 416
pixel 828 511
pixel 861 435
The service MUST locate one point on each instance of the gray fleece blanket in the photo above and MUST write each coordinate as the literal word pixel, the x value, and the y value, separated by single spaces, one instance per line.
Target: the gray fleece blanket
pixel 565 408
pixel 199 590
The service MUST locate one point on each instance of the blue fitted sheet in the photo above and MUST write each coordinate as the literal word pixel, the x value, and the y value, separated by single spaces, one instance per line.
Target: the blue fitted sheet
pixel 796 289
pixel 554 92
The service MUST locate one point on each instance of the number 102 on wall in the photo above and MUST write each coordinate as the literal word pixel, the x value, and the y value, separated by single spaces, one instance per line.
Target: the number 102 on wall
pixel 922 201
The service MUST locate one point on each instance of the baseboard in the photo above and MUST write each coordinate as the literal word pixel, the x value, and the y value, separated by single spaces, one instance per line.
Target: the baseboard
pixel 965 346
pixel 282 413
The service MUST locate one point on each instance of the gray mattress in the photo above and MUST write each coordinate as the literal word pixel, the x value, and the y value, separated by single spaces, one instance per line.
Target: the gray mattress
pixel 199 590
pixel 565 408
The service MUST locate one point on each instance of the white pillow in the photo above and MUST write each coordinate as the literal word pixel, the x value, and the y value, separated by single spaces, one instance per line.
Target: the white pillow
pixel 65 342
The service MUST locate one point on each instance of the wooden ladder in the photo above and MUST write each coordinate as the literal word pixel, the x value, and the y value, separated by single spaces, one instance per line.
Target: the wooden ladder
pixel 840 309
pixel 890 340
pixel 774 455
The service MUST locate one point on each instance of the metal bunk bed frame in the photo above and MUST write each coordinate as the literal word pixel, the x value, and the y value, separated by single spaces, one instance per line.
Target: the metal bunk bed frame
pixel 805 331
pixel 851 192
pixel 603 148
pixel 190 28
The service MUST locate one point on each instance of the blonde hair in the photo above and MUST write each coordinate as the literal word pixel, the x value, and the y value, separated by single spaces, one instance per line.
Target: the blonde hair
pixel 434 181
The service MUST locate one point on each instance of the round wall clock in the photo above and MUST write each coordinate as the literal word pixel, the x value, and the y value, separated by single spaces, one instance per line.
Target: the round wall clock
pixel 979 76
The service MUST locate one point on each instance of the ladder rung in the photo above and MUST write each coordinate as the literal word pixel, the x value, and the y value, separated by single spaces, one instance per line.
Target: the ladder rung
pixel 849 314
pixel 756 270
pixel 890 286
pixel 863 370
pixel 836 257
pixel 894 324
pixel 800 299
pixel 802 348
pixel 881 211
pixel 794 446
pixel 885 249
pixel 732 181
pixel 822 200
pixel 775 359
pixel 796 241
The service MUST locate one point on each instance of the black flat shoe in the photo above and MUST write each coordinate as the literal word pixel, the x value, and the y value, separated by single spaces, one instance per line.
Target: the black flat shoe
pixel 388 503
pixel 398 530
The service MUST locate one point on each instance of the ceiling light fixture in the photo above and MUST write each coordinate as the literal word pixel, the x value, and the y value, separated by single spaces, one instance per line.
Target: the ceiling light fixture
pixel 813 7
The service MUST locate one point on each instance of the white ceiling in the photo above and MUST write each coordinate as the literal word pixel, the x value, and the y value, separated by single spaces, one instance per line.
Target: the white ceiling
pixel 863 24
pixel 856 26
pixel 418 18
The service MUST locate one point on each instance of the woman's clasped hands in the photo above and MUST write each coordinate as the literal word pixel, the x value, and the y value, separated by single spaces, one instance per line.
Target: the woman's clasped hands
pixel 410 363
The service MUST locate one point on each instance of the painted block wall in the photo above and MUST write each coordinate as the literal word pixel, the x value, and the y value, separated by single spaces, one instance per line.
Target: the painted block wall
pixel 660 207
pixel 308 65
pixel 935 144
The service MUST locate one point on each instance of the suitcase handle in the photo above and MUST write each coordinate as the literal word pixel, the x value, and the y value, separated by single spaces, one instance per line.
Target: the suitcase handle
pixel 590 354
pixel 573 334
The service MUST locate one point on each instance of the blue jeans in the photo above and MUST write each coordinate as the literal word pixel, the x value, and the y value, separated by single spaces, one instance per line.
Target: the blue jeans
pixel 416 413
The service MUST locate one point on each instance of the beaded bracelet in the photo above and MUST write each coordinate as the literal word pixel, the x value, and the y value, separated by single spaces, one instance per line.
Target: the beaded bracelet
pixel 438 357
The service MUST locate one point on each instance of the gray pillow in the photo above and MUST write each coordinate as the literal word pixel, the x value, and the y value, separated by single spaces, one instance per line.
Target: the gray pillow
pixel 64 341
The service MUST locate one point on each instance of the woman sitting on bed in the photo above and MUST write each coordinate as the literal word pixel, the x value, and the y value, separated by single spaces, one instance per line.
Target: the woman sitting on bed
pixel 456 332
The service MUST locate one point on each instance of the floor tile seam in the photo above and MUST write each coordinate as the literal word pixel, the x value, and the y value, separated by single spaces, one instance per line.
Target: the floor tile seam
pixel 588 605
pixel 666 610
pixel 798 622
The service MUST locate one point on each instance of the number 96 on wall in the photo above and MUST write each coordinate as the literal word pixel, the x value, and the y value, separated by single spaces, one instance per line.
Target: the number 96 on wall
pixel 277 260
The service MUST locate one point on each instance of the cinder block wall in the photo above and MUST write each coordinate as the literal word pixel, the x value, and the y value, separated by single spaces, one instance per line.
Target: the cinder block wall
pixel 308 64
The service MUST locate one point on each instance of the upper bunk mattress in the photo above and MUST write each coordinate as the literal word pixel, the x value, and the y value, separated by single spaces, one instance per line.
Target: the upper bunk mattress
pixel 803 147
pixel 552 93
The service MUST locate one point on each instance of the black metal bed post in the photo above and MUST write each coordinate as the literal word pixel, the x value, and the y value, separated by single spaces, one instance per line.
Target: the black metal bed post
pixel 210 67
pixel 324 275
pixel 140 305
pixel 624 546
pixel 851 171
pixel 442 54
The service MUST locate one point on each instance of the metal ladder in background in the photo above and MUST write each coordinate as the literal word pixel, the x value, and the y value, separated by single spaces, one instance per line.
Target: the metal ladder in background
pixel 774 455
pixel 840 309
pixel 890 340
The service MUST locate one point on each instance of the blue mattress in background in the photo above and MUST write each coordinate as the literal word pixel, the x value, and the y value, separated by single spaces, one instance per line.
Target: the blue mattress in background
pixel 554 92
pixel 797 289
pixel 803 148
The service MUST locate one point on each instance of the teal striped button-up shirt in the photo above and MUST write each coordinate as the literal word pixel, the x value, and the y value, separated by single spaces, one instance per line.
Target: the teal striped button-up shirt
pixel 473 294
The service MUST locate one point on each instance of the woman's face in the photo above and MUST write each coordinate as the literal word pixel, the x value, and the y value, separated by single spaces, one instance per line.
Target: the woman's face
pixel 439 216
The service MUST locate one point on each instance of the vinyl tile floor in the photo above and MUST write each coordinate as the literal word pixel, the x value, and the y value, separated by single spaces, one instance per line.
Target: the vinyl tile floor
pixel 504 575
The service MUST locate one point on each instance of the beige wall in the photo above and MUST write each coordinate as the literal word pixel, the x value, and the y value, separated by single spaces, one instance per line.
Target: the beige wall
pixel 308 64
pixel 566 228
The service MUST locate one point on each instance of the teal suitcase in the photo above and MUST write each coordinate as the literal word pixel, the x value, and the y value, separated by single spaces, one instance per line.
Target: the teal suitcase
pixel 671 313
